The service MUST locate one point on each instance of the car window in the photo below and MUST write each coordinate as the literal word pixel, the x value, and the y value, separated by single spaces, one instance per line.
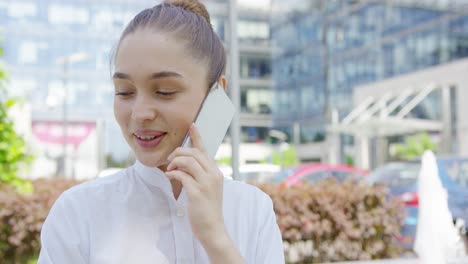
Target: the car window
pixel 343 175
pixel 396 175
pixel 316 176
pixel 281 175
pixel 336 174
pixel 457 170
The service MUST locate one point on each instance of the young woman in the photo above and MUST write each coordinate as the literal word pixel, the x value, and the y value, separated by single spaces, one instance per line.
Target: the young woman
pixel 173 205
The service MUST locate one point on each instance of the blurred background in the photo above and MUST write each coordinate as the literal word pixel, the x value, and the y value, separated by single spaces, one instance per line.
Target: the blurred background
pixel 349 90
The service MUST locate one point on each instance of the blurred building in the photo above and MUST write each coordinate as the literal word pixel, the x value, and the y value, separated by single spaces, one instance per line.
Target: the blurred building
pixel 51 44
pixel 431 100
pixel 256 94
pixel 327 48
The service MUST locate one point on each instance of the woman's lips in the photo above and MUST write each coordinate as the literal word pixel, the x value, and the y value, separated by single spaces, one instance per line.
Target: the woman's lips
pixel 151 143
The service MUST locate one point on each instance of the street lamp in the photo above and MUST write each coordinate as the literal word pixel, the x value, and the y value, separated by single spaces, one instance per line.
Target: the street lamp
pixel 65 62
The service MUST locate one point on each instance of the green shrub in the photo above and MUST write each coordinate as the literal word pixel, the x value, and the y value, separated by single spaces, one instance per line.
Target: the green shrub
pixel 331 221
pixel 22 215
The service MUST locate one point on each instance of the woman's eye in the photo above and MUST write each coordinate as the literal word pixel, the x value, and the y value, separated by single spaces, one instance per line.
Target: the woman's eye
pixel 165 93
pixel 124 93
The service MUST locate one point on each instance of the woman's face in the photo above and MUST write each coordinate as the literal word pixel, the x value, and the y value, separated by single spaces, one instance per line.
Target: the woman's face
pixel 159 87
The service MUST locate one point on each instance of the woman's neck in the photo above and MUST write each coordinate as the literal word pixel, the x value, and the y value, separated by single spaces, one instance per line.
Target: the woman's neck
pixel 176 188
pixel 176 185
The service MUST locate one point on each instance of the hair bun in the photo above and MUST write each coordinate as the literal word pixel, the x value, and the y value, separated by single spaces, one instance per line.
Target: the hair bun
pixel 193 6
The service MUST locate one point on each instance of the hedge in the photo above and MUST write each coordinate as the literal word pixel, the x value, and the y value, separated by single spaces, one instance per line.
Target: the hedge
pixel 321 222
pixel 331 221
pixel 22 215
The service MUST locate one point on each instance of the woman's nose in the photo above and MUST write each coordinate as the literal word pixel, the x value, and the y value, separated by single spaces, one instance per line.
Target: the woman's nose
pixel 143 110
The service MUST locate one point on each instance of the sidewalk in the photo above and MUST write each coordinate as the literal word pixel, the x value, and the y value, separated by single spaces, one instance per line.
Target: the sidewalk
pixel 381 261
pixel 463 260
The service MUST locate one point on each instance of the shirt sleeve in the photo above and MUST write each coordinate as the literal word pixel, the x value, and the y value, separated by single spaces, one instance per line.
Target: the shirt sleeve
pixel 270 243
pixel 60 235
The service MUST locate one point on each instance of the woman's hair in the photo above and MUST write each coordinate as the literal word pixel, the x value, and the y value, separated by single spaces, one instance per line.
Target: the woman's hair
pixel 187 20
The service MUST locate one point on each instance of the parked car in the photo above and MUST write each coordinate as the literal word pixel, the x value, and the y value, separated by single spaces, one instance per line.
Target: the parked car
pixel 314 172
pixel 402 180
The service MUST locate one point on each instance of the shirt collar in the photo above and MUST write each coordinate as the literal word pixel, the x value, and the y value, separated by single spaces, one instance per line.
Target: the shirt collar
pixel 153 176
pixel 156 177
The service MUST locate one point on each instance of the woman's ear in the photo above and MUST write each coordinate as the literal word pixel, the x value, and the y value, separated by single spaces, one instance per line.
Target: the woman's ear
pixel 223 82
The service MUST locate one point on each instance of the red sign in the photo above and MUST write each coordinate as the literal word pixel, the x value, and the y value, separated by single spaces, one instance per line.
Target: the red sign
pixel 52 131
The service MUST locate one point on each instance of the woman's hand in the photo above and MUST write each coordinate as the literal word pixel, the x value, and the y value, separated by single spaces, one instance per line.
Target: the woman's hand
pixel 203 183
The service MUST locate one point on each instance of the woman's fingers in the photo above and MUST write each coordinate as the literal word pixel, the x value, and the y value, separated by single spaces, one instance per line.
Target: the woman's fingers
pixel 196 139
pixel 192 152
pixel 194 161
pixel 190 165
pixel 191 185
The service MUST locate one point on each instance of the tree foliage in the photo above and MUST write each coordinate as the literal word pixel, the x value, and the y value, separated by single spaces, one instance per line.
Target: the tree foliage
pixel 286 157
pixel 414 147
pixel 13 153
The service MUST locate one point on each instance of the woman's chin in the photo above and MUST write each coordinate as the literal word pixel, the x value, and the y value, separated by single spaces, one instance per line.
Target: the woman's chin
pixel 151 160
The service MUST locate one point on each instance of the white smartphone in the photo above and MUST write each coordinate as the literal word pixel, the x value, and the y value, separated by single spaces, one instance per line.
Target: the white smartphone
pixel 213 119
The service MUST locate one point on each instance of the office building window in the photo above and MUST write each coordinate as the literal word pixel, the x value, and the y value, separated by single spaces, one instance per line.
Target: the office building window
pixel 257 101
pixel 253 30
pixel 310 134
pixel 103 20
pixel 454 118
pixel 280 107
pixel 252 67
pixel 28 52
pixel 218 27
pixel 22 87
pixel 55 93
pixel 312 100
pixel 107 19
pixel 67 14
pixel 254 134
pixel 104 94
pixel 22 9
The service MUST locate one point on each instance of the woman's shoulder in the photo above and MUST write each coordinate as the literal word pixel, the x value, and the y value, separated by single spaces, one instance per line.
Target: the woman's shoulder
pixel 97 186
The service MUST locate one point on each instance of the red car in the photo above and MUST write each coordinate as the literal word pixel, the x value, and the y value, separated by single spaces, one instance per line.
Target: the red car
pixel 314 172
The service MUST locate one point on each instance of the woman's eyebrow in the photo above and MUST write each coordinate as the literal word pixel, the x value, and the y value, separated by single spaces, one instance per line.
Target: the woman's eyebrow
pixel 120 75
pixel 165 74
pixel 156 75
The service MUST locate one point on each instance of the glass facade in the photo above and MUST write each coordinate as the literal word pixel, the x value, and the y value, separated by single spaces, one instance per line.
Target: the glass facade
pixel 325 48
pixel 255 67
pixel 37 33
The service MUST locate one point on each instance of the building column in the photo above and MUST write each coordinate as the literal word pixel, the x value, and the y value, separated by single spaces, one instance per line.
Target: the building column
pixel 446 136
pixel 362 152
pixel 334 141
pixel 333 145
pixel 296 140
pixel 381 151
pixel 234 88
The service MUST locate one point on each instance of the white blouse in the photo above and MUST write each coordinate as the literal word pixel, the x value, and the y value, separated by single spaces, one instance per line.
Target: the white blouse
pixel 133 217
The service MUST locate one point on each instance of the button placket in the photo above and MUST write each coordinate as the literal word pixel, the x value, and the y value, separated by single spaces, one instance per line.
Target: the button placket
pixel 182 231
